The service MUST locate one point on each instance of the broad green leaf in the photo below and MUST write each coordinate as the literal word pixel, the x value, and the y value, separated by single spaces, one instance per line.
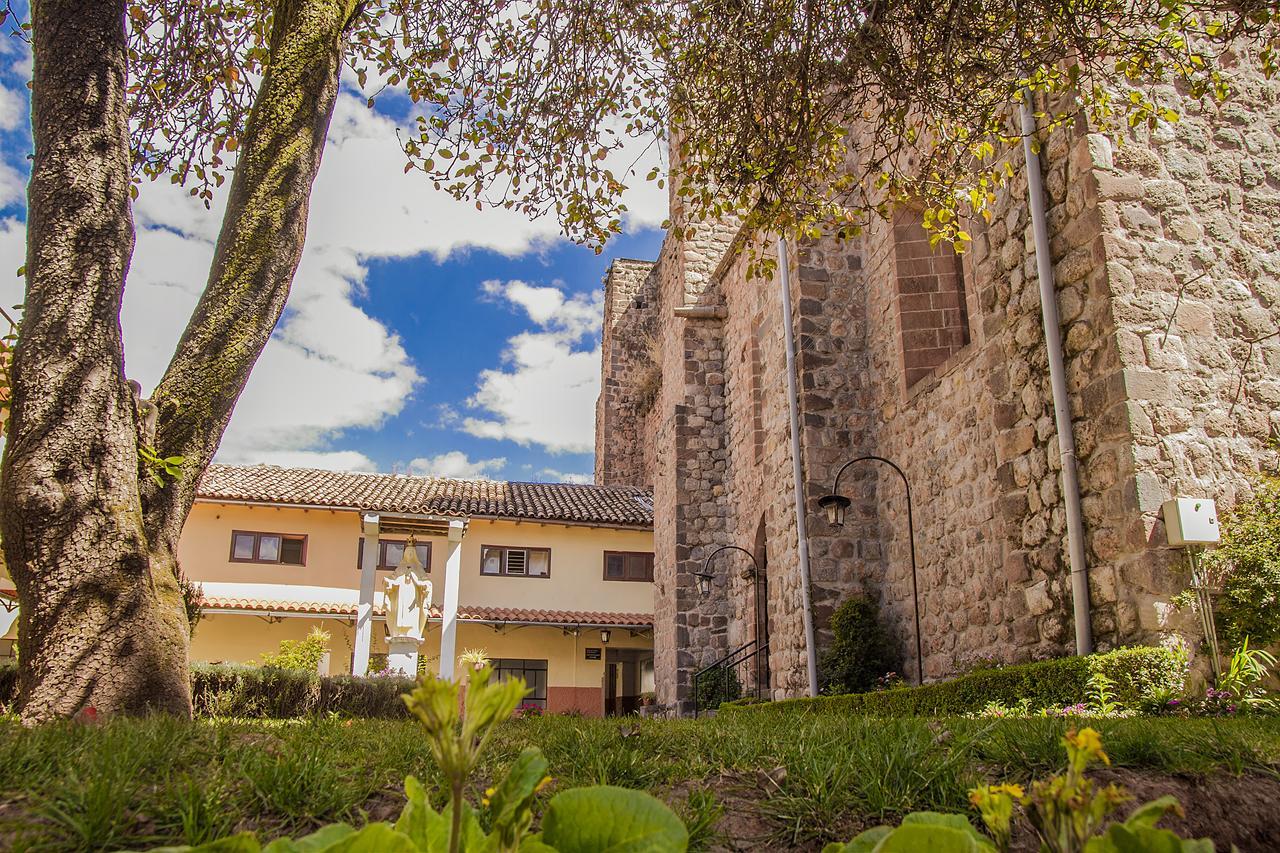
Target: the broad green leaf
pixel 950 821
pixel 1123 839
pixel 534 844
pixel 1147 815
pixel 245 842
pixel 916 837
pixel 605 819
pixel 321 839
pixel 864 842
pixel 511 803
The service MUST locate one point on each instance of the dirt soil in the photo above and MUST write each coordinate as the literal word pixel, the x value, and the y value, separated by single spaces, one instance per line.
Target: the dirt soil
pixel 1239 810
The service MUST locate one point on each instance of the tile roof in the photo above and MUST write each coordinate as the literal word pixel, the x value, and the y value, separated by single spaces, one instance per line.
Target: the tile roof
pixel 627 506
pixel 465 613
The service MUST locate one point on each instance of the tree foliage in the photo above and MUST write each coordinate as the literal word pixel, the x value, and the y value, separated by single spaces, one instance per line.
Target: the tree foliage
pixel 1247 566
pixel 798 114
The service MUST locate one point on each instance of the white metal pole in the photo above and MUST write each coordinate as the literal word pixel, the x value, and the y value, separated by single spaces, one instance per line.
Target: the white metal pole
pixel 1058 383
pixel 802 535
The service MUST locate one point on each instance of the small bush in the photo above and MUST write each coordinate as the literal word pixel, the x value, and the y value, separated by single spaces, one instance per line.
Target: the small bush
pixel 8 685
pixel 304 654
pixel 1247 565
pixel 717 686
pixel 859 651
pixel 229 690
pixel 1140 674
pixel 1134 675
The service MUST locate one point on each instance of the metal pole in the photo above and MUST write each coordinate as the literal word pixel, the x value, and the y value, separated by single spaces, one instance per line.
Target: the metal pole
pixel 802 535
pixel 1058 383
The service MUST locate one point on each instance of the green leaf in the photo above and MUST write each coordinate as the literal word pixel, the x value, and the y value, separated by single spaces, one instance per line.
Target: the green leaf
pixel 511 803
pixel 936 838
pixel 1122 839
pixel 245 842
pixel 424 825
pixel 321 839
pixel 1147 815
pixel 605 819
pixel 864 842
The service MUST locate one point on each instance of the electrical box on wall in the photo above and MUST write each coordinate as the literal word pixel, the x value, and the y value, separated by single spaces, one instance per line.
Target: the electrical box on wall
pixel 1191 521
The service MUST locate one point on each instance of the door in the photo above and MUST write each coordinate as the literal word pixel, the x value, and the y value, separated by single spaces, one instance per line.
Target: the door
pixel 610 689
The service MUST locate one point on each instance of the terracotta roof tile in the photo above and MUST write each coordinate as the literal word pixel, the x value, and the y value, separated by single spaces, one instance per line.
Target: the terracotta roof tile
pixel 469 614
pixel 622 505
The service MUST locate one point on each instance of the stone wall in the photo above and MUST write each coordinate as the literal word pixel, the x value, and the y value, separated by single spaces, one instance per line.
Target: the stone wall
pixel 629 375
pixel 1166 269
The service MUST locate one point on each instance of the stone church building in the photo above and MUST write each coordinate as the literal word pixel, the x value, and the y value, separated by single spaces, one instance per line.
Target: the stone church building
pixel 1166 266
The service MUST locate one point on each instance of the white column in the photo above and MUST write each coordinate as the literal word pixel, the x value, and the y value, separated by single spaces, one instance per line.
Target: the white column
pixel 364 610
pixel 449 620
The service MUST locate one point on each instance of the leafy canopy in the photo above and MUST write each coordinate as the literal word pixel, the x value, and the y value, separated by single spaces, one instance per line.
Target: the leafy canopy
pixel 799 116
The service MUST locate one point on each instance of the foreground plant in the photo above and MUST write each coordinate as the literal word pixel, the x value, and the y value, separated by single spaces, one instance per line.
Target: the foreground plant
pixel 1069 813
pixel 578 820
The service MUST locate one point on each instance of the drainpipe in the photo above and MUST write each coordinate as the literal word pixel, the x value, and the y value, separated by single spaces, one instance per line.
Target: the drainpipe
pixel 1058 383
pixel 793 406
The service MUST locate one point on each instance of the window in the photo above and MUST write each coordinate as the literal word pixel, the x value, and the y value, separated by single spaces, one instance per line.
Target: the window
pixel 534 673
pixel 390 551
pixel 247 547
pixel 521 562
pixel 628 566
pixel 932 308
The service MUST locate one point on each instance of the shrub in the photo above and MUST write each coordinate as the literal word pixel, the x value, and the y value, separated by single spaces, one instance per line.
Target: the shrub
pixel 8 685
pixel 717 686
pixel 231 690
pixel 1134 676
pixel 304 654
pixel 859 650
pixel 1247 564
pixel 1139 674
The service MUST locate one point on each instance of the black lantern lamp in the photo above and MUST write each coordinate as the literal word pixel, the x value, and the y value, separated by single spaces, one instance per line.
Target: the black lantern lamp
pixel 835 505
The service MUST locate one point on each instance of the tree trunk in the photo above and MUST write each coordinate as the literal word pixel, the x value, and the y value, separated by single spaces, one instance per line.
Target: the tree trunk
pixel 101 623
pixel 92 549
pixel 257 254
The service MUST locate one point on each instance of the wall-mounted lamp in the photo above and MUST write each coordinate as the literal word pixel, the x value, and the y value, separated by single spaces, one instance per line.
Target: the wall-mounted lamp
pixel 835 505
pixel 604 636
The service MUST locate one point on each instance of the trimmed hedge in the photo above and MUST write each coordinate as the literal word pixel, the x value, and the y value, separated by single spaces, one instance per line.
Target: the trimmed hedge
pixel 230 690
pixel 1136 674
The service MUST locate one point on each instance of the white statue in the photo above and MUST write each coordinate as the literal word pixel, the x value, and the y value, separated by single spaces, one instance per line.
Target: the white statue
pixel 408 596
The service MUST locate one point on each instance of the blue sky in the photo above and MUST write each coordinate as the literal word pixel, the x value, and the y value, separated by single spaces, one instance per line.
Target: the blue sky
pixel 422 335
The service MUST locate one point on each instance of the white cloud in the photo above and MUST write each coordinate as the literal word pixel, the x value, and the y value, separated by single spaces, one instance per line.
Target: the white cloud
pixel 567 476
pixel 330 366
pixel 547 393
pixel 13 108
pixel 455 464
pixel 336 460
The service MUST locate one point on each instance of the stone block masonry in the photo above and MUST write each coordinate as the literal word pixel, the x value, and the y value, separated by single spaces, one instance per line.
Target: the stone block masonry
pixel 1166 265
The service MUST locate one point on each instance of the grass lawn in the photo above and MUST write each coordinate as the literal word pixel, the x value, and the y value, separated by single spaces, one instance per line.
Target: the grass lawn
pixel 738 780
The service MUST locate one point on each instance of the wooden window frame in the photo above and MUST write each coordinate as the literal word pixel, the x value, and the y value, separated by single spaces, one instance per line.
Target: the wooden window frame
pixel 257 545
pixel 605 567
pixel 503 572
pixel 382 552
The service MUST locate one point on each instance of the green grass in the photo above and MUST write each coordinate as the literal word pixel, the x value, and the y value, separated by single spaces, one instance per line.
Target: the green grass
pixel 134 784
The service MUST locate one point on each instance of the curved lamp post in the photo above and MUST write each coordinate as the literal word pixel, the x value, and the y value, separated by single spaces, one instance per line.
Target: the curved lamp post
pixel 835 505
pixel 704 588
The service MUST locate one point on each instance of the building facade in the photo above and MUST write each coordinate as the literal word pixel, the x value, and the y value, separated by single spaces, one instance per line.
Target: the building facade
pixel 1166 267
pixel 554 581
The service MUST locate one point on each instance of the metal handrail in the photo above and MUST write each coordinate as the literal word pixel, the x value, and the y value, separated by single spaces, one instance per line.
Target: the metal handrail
pixel 729 660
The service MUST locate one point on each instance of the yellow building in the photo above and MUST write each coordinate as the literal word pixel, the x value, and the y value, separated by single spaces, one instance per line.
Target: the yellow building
pixel 554 582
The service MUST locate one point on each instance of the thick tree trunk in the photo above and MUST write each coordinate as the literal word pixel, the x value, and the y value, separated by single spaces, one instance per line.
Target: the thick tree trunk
pixel 257 253
pixel 101 622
